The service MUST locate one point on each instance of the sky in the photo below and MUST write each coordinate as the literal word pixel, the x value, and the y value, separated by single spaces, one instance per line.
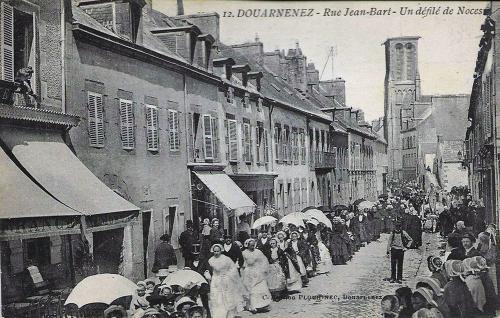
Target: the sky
pixel 447 49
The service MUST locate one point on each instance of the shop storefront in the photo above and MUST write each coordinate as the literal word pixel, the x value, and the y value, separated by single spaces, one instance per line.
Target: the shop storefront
pixel 215 194
pixel 58 222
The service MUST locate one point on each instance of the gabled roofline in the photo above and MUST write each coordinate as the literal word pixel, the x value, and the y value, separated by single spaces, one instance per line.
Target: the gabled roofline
pixel 140 52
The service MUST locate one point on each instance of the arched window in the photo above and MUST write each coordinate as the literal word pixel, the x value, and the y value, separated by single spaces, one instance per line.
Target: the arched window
pixel 398 62
pixel 410 61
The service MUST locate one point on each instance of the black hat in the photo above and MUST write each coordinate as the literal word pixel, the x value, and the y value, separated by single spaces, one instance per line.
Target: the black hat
pixel 227 236
pixel 470 236
pixel 156 299
pixel 189 223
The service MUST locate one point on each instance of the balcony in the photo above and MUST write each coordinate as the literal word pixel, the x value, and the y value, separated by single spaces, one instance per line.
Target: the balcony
pixel 323 160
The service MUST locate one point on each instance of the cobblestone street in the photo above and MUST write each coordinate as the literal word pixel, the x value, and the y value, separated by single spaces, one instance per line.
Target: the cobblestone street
pixel 362 276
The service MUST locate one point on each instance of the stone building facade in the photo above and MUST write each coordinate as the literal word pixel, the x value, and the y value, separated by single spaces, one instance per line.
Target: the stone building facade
pixel 481 136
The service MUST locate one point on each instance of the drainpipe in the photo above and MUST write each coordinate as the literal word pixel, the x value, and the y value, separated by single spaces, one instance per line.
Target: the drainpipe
pixel 63 62
pixel 186 134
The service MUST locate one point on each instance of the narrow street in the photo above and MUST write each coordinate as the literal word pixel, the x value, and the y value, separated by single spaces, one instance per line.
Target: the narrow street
pixel 344 288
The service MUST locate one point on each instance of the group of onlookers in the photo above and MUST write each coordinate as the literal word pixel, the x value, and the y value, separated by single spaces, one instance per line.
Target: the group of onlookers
pixel 462 281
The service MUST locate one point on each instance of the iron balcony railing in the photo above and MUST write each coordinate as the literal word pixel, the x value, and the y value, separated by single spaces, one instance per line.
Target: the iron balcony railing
pixel 323 160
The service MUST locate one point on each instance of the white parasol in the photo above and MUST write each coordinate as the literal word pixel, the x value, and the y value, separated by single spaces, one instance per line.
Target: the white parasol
pixel 295 218
pixel 320 216
pixel 101 288
pixel 184 278
pixel 265 220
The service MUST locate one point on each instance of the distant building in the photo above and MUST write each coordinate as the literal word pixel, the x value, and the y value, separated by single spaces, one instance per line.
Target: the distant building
pixel 482 140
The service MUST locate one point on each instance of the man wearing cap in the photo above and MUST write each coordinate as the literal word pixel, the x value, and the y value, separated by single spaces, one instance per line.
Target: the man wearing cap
pixel 186 241
pixel 398 243
pixel 232 250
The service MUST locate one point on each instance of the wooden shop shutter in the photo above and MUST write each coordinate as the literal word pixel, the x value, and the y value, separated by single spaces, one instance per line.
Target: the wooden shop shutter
pixel 208 137
pixel 95 119
pixel 266 146
pixel 233 140
pixel 173 130
pixel 7 42
pixel 215 137
pixel 152 141
pixel 127 123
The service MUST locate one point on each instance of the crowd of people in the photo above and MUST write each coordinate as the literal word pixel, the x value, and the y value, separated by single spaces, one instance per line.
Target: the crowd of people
pixel 254 270
pixel 462 281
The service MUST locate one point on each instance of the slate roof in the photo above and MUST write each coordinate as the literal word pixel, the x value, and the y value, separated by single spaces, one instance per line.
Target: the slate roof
pixel 273 87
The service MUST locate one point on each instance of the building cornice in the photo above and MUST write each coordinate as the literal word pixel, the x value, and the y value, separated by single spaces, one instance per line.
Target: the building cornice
pixel 37 115
pixel 139 52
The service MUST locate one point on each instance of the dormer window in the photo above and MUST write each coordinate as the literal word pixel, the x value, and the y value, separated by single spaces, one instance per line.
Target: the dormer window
pixel 224 67
pixel 204 50
pixel 120 17
pixel 255 78
pixel 243 70
pixel 181 40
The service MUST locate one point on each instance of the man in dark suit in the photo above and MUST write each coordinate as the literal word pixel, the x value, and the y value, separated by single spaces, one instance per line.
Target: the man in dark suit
pixel 186 240
pixel 232 250
pixel 164 254
pixel 468 243
pixel 263 243
pixel 456 249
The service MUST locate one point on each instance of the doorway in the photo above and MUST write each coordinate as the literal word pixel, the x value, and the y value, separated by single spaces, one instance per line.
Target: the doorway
pixel 107 250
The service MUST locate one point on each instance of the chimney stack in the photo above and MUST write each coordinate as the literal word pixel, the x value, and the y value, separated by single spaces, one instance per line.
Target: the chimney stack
pixel 180 7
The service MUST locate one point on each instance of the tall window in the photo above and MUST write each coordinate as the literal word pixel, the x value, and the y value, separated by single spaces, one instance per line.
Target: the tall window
pixel 173 130
pixel 127 124
pixel 95 119
pixel 302 138
pixel 259 135
pixel 208 137
pixel 410 60
pixel 398 63
pixel 277 142
pixel 152 138
pixel 266 146
pixel 233 139
pixel 247 150
pixel 230 95
pixel 215 137
pixel 17 42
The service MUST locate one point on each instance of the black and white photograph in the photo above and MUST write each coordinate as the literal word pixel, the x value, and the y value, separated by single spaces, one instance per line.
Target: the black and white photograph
pixel 238 158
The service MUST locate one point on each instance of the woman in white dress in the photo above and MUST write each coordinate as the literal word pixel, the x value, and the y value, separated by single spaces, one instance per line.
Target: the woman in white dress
pixel 299 249
pixel 226 289
pixel 278 269
pixel 293 281
pixel 254 274
pixel 325 264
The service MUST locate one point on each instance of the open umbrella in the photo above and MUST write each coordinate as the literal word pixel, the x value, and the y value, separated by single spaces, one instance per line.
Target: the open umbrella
pixel 320 216
pixel 265 220
pixel 100 288
pixel 365 205
pixel 308 208
pixel 184 278
pixel 313 221
pixel 295 218
pixel 358 201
